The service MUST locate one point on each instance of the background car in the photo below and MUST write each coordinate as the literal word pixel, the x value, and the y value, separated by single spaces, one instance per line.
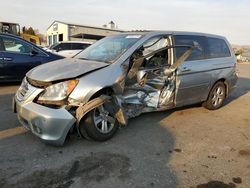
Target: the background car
pixel 69 48
pixel 18 56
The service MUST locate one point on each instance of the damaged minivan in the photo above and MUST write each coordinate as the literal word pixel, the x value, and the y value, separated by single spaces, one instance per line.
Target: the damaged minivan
pixel 121 77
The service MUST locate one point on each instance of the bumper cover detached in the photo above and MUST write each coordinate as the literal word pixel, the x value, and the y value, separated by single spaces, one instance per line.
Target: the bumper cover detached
pixel 51 125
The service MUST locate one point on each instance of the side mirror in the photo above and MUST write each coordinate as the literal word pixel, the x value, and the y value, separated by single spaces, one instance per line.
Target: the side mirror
pixel 141 77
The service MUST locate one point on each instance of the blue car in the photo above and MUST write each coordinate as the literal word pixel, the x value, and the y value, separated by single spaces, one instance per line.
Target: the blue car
pixel 18 56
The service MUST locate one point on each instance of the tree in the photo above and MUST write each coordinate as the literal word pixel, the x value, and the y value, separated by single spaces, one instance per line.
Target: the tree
pixel 24 29
pixel 42 37
pixel 30 31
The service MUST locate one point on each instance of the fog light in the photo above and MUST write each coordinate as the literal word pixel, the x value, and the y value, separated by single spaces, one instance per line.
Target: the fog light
pixel 36 123
pixel 37 129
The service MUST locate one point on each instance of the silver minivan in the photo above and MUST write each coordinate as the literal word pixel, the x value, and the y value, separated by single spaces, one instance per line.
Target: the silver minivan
pixel 121 77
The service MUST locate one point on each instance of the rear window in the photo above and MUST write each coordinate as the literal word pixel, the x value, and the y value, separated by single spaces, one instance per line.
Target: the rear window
pixel 197 54
pixel 216 48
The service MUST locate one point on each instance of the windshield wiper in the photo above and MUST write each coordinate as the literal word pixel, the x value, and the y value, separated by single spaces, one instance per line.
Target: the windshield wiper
pixel 103 61
pixel 84 58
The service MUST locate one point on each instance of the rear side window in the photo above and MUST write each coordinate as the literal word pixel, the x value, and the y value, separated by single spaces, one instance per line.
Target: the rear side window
pixel 79 46
pixel 216 48
pixel 65 46
pixel 62 46
pixel 197 54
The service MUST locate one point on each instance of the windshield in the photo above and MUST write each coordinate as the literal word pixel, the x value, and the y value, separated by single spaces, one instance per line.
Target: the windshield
pixel 109 48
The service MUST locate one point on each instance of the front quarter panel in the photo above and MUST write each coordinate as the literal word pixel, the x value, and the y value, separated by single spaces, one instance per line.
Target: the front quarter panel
pixel 93 82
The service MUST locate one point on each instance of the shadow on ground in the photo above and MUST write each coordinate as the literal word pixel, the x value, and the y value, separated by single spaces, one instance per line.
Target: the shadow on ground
pixel 136 157
pixel 242 88
pixel 7 118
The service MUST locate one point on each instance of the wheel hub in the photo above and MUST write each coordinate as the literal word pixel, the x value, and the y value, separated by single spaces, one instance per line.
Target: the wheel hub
pixel 104 122
pixel 218 96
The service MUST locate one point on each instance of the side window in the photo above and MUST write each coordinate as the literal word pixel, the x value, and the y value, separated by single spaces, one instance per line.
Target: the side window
pixel 216 48
pixel 151 45
pixel 62 46
pixel 197 54
pixel 79 46
pixel 55 46
pixel 2 48
pixel 65 46
pixel 154 44
pixel 16 45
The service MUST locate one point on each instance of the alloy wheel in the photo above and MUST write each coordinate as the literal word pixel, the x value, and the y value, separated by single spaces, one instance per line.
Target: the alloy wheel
pixel 103 121
pixel 218 96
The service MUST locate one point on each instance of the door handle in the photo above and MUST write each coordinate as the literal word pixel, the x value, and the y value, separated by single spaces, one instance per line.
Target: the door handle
pixel 185 69
pixel 7 59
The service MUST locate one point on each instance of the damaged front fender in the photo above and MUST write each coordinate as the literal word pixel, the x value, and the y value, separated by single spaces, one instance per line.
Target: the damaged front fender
pixel 109 104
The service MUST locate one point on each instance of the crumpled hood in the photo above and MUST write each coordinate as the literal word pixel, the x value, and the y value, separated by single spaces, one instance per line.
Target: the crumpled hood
pixel 63 69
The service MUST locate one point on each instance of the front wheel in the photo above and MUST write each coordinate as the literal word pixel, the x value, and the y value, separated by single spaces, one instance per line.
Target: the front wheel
pixel 216 96
pixel 99 124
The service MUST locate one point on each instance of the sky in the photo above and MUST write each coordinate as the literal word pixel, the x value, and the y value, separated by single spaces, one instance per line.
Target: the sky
pixel 229 18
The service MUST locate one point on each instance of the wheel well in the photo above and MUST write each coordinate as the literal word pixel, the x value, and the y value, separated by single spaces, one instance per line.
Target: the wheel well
pixel 224 81
pixel 106 91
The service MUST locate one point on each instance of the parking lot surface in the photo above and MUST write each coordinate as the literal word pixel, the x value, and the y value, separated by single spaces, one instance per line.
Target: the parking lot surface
pixel 185 147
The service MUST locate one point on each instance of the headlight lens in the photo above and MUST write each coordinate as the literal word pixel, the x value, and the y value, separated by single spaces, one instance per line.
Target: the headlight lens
pixel 58 92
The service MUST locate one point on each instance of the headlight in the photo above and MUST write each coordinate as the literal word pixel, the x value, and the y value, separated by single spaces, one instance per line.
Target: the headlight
pixel 57 92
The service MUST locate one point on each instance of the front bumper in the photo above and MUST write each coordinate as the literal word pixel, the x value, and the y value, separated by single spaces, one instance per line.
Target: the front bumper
pixel 51 125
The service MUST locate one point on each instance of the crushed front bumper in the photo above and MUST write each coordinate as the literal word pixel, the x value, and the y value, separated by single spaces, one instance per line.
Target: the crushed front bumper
pixel 51 125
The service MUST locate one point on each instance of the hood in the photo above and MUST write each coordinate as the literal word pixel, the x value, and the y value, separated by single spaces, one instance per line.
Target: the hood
pixel 63 69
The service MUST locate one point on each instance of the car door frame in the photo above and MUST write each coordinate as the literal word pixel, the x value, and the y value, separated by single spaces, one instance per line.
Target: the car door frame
pixel 192 78
pixel 134 71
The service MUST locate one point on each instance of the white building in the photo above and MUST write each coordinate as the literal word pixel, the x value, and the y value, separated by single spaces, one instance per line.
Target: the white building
pixel 62 31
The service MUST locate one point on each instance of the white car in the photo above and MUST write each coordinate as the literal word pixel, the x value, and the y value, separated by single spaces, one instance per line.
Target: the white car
pixel 69 48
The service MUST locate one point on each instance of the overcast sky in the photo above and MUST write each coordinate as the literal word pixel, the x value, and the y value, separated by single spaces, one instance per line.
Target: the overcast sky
pixel 225 17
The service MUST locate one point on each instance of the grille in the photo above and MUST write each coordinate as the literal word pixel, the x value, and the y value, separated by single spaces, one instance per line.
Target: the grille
pixel 24 91
pixel 21 94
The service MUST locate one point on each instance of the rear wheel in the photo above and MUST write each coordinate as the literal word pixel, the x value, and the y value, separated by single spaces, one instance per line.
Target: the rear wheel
pixel 99 124
pixel 216 96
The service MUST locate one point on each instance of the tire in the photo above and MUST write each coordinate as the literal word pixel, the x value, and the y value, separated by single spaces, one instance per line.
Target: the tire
pixel 216 96
pixel 99 125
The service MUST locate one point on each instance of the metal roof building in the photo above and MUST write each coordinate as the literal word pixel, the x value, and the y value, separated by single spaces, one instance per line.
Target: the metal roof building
pixel 62 31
